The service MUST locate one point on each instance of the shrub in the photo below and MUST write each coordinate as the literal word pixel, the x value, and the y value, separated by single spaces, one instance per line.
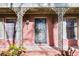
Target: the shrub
pixel 13 51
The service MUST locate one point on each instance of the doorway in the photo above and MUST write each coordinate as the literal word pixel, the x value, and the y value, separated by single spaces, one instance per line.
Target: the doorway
pixel 40 31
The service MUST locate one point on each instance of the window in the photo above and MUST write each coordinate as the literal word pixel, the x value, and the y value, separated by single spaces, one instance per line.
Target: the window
pixel 7 28
pixel 71 28
pixel 10 28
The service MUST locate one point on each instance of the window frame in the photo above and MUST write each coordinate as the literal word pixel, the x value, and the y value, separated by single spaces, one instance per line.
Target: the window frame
pixel 65 18
pixel 4 20
pixel 13 18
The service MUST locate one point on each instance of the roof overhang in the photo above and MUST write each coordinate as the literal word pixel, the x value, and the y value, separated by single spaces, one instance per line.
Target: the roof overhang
pixel 39 5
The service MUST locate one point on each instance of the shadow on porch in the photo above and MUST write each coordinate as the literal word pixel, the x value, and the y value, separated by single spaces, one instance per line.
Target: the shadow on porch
pixel 76 53
pixel 41 50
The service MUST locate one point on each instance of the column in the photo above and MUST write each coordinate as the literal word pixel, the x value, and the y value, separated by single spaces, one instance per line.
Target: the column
pixel 19 29
pixel 65 40
pixel 60 28
pixel 20 11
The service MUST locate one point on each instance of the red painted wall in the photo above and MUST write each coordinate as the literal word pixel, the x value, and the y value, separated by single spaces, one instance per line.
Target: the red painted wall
pixel 52 30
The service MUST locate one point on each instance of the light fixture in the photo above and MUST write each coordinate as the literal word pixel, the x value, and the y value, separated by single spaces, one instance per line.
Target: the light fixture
pixel 27 23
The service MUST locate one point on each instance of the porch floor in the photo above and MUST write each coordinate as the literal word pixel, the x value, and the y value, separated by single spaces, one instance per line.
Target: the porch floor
pixel 76 53
pixel 46 51
pixel 41 50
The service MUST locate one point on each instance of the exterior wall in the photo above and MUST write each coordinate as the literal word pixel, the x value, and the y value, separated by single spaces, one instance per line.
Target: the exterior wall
pixel 77 42
pixel 29 35
pixel 70 42
pixel 55 34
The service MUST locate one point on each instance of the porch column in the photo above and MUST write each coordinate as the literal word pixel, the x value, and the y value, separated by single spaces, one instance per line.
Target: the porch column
pixel 19 29
pixel 62 41
pixel 60 28
pixel 19 35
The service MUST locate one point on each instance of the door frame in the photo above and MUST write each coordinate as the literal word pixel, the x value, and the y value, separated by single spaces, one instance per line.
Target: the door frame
pixel 46 32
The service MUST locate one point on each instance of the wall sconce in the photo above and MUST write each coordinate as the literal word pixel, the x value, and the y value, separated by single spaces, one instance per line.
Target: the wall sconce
pixel 27 23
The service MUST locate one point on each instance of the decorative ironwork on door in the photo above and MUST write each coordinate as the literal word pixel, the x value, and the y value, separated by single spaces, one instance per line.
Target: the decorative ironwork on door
pixel 40 31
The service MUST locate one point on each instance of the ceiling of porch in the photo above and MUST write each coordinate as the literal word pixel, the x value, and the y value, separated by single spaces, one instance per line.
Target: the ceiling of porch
pixel 73 11
pixel 40 11
pixel 6 11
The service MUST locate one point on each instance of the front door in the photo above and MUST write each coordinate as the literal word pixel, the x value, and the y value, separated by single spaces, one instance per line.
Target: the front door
pixel 40 31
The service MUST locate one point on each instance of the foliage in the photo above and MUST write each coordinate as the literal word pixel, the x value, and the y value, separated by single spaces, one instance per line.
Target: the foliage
pixel 13 51
pixel 69 52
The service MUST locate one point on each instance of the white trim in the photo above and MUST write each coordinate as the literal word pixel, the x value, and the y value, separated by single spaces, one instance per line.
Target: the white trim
pixel 65 18
pixel 3 29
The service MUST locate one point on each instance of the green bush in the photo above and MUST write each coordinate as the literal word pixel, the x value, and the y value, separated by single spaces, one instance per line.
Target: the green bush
pixel 13 51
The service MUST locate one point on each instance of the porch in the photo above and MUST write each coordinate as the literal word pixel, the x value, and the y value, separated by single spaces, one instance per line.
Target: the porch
pixel 20 29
